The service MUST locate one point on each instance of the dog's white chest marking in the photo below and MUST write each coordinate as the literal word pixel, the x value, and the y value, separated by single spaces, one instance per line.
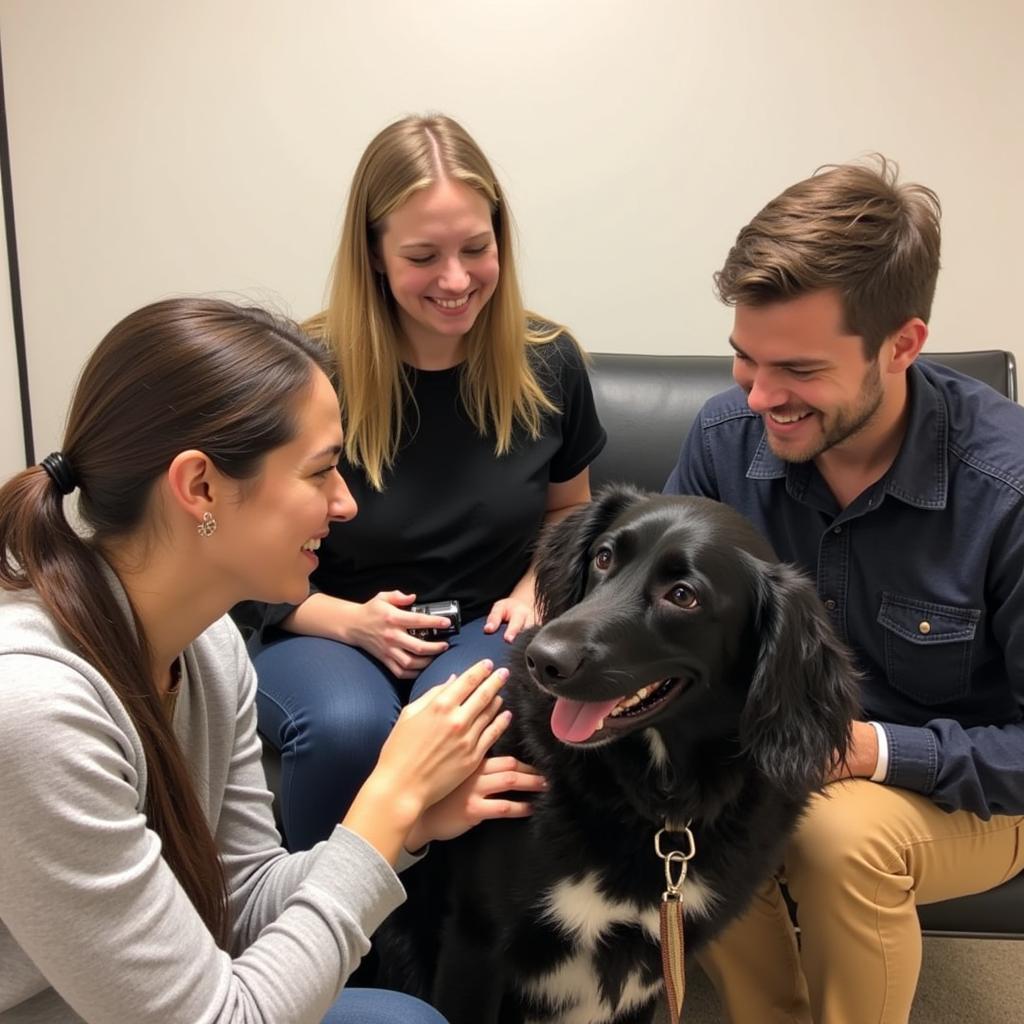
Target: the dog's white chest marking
pixel 582 912
pixel 572 991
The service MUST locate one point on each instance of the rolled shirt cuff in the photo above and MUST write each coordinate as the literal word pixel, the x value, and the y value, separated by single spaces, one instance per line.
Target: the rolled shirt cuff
pixel 882 766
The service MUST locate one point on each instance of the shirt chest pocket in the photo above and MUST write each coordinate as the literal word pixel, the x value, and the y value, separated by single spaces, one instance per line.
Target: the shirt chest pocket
pixel 927 647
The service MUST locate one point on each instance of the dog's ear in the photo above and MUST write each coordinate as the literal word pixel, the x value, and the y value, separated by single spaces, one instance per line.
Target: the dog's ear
pixel 803 695
pixel 563 550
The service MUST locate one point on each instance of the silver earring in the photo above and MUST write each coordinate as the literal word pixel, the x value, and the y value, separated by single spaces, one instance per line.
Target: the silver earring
pixel 208 527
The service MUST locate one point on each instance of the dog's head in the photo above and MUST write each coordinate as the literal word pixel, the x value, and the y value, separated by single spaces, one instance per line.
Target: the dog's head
pixel 672 614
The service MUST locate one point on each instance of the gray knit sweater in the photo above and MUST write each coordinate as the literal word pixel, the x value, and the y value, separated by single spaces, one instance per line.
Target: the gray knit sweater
pixel 93 924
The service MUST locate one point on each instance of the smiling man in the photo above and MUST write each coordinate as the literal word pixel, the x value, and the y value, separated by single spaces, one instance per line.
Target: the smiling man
pixel 898 486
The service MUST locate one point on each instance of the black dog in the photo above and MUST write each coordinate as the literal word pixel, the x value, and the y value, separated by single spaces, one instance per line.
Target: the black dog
pixel 683 675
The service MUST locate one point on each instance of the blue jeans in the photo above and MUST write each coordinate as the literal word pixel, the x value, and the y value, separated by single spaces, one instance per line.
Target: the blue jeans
pixel 377 1006
pixel 328 707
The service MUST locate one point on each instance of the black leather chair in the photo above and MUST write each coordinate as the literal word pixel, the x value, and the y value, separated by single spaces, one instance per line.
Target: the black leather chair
pixel 647 404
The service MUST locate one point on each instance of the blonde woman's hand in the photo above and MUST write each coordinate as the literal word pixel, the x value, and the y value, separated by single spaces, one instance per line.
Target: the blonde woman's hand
pixel 381 627
pixel 481 796
pixel 518 612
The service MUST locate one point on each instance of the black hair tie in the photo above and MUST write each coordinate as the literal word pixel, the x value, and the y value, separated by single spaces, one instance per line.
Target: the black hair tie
pixel 60 472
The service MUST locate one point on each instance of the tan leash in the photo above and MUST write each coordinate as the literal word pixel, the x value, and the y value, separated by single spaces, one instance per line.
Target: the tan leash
pixel 672 948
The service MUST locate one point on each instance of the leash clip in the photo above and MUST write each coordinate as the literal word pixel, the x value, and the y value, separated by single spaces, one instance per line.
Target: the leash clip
pixel 676 861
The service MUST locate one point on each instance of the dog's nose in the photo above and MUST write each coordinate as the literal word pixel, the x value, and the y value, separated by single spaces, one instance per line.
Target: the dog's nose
pixel 552 660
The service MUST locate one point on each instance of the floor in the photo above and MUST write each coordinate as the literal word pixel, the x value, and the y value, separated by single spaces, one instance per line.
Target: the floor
pixel 963 981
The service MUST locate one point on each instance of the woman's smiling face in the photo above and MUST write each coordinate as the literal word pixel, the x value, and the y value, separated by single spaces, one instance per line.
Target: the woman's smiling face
pixel 440 257
pixel 268 537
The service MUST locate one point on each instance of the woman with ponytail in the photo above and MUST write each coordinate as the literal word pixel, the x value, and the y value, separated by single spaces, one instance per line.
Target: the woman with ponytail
pixel 141 877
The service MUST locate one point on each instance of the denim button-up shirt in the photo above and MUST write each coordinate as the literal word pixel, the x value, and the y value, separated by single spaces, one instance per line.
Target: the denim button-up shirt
pixel 922 575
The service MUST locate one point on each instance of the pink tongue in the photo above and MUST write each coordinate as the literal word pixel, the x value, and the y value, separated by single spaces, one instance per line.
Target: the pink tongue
pixel 574 721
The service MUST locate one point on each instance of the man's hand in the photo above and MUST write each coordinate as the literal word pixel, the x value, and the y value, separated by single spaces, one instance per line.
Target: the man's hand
pixel 862 757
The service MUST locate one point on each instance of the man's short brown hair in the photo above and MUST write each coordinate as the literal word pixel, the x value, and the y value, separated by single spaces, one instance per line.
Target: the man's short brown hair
pixel 851 228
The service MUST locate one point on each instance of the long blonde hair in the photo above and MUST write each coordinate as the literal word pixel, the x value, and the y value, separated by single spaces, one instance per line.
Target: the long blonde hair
pixel 498 387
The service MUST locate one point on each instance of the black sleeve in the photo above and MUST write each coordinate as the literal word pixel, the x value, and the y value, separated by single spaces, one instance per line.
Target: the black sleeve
pixel 583 437
pixel 254 618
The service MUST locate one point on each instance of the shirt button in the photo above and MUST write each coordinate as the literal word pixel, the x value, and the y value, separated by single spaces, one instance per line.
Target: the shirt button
pixel 837 529
pixel 924 627
pixel 831 606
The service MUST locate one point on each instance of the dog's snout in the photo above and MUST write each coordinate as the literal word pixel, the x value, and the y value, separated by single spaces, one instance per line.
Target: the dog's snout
pixel 552 660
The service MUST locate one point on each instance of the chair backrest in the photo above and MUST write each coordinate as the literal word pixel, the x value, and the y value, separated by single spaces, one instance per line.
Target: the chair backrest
pixel 648 404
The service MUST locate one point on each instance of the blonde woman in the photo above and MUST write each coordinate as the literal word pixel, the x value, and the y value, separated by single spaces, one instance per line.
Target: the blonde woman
pixel 468 424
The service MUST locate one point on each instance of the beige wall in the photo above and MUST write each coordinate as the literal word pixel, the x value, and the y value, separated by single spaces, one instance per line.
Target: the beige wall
pixel 205 145
pixel 12 442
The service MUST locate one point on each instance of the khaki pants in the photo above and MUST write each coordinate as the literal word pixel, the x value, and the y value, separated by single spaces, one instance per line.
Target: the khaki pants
pixel 862 858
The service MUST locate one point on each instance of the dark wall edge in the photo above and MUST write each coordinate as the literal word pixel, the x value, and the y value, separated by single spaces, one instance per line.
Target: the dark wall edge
pixel 15 275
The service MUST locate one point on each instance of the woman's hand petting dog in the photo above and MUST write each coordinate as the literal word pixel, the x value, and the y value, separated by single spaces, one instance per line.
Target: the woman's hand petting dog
pixel 438 742
pixel 441 738
pixel 483 795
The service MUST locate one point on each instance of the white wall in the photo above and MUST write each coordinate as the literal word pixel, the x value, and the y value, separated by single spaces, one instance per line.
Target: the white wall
pixel 206 145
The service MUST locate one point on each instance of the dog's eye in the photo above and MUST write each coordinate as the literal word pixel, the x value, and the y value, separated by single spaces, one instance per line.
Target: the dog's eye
pixel 683 595
pixel 603 558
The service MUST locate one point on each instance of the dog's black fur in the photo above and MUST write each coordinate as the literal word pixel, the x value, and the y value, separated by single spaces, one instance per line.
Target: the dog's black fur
pixel 635 589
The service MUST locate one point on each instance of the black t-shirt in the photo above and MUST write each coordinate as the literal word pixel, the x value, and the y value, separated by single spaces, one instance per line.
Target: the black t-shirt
pixel 454 520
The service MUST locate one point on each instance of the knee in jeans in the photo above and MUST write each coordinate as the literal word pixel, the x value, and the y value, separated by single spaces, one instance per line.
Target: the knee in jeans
pixel 337 737
pixel 347 729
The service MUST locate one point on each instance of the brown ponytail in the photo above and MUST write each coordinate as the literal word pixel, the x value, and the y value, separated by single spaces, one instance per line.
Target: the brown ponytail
pixel 185 373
